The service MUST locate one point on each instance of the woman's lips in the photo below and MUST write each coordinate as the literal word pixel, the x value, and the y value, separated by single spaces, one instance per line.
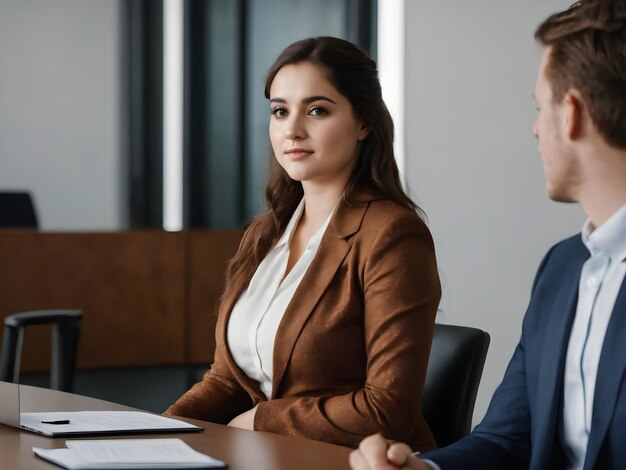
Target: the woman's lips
pixel 298 154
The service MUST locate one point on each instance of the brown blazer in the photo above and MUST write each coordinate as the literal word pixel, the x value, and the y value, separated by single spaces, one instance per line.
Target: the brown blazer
pixel 351 351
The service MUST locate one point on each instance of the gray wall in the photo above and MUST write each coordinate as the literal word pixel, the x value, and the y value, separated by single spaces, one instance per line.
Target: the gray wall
pixel 473 163
pixel 60 110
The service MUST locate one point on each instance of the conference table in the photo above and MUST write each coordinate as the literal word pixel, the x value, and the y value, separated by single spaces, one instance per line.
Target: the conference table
pixel 239 448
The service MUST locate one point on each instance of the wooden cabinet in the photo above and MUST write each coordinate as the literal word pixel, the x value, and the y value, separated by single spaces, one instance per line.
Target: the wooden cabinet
pixel 148 297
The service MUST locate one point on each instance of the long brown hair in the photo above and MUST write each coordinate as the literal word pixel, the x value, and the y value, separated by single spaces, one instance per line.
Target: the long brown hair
pixel 354 75
pixel 588 53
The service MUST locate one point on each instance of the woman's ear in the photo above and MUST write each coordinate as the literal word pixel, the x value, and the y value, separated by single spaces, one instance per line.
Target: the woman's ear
pixel 363 132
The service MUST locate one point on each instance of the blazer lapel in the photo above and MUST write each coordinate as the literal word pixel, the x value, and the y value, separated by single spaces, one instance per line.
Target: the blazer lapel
pixel 551 368
pixel 334 247
pixel 609 378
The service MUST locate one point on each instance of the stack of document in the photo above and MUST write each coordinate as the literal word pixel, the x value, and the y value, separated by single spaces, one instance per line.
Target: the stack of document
pixel 127 454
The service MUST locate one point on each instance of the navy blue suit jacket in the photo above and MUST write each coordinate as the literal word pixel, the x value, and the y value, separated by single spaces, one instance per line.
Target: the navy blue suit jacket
pixel 520 428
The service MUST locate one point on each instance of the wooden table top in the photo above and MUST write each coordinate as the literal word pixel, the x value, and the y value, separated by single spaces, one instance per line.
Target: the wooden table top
pixel 240 449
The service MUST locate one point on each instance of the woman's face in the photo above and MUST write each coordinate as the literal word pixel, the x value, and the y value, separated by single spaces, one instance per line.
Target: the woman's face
pixel 314 132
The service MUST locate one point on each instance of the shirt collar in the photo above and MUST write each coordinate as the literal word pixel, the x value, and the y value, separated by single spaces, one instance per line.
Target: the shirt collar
pixel 609 238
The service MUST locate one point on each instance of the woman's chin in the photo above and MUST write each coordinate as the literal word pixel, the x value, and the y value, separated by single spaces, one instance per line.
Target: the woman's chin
pixel 297 176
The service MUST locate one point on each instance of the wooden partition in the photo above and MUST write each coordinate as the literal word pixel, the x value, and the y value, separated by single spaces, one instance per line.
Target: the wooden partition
pixel 148 297
pixel 207 271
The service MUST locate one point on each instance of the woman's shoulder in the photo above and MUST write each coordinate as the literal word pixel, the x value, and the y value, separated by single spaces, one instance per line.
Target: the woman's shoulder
pixel 385 220
pixel 384 211
pixel 387 225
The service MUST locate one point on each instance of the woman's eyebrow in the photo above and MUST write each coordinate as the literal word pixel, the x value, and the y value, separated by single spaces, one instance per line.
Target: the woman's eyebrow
pixel 310 99
pixel 317 98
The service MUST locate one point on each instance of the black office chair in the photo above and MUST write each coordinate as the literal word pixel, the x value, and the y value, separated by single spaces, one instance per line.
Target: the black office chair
pixel 454 370
pixel 17 210
pixel 64 344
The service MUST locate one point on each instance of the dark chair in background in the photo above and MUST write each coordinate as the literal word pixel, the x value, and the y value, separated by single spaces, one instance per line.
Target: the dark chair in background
pixel 454 370
pixel 65 335
pixel 17 210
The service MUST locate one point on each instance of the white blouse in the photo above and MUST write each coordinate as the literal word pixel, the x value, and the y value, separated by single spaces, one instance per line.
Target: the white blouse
pixel 255 317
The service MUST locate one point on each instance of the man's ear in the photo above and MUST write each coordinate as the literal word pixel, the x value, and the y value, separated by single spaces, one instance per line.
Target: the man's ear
pixel 574 108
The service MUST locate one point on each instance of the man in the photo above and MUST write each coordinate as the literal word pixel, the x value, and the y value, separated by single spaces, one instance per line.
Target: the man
pixel 562 402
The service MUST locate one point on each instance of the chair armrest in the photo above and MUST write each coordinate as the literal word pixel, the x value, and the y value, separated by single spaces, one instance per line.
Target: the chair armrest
pixel 64 344
pixel 39 317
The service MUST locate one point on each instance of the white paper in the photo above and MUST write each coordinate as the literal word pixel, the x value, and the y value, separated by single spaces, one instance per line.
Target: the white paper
pixel 127 453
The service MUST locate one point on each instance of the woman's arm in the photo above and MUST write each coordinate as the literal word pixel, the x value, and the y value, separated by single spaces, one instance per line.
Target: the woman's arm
pixel 217 398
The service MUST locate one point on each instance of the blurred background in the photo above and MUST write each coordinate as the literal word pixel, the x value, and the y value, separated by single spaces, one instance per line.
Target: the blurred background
pixel 97 99
pixel 84 95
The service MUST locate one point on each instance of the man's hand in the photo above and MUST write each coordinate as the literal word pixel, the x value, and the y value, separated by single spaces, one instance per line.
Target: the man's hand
pixel 376 453
pixel 244 420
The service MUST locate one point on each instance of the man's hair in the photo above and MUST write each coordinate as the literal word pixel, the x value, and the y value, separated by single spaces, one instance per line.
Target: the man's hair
pixel 588 53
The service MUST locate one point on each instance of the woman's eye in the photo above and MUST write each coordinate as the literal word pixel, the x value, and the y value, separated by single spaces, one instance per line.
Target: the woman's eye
pixel 279 112
pixel 317 111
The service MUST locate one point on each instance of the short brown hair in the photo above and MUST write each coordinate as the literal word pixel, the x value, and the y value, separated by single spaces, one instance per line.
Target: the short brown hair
pixel 588 53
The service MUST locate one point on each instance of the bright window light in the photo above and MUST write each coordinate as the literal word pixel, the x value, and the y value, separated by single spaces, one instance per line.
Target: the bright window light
pixel 391 69
pixel 173 115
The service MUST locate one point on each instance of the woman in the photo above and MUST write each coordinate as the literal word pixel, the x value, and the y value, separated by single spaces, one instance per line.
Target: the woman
pixel 325 327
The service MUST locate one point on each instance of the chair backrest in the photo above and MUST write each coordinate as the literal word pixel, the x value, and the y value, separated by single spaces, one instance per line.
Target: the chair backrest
pixel 17 210
pixel 454 370
pixel 64 345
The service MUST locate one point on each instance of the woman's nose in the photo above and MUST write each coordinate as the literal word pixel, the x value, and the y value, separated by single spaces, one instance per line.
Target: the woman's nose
pixel 295 129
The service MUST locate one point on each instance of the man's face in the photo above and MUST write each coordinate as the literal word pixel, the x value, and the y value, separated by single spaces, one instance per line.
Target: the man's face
pixel 560 166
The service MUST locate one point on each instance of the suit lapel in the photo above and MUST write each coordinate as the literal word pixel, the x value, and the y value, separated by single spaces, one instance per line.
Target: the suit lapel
pixel 553 353
pixel 334 247
pixel 552 364
pixel 609 378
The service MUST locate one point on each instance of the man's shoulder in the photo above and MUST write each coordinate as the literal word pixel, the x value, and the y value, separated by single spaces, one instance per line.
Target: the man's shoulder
pixel 564 258
pixel 568 246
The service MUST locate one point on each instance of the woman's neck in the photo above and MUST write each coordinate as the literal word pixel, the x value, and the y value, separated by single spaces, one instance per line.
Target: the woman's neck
pixel 319 203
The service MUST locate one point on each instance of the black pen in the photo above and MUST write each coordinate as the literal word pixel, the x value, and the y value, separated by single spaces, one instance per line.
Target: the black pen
pixel 57 421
